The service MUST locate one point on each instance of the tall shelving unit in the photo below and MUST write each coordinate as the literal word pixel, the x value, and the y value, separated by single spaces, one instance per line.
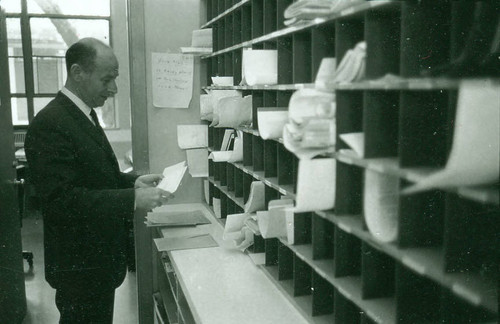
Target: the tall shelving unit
pixel 443 267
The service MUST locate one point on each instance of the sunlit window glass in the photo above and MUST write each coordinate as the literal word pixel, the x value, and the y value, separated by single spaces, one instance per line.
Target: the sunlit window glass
pixel 70 7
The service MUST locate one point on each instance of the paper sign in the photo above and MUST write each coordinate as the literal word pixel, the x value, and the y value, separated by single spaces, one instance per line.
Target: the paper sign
pixel 172 80
pixel 192 136
pixel 197 160
pixel 172 177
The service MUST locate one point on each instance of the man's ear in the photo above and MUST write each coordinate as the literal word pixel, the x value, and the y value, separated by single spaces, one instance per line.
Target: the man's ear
pixel 76 72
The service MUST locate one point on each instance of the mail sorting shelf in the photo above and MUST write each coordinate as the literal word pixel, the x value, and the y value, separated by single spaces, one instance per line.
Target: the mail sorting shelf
pixel 443 266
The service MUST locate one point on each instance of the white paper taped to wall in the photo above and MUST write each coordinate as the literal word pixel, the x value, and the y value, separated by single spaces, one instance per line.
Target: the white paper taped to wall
pixel 256 199
pixel 475 155
pixel 172 177
pixel 380 205
pixel 172 80
pixel 259 67
pixel 202 38
pixel 197 160
pixel 192 136
pixel 356 142
pixel 315 185
pixel 271 122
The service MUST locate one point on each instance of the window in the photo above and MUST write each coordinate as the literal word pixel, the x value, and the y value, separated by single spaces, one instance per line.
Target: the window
pixel 39 32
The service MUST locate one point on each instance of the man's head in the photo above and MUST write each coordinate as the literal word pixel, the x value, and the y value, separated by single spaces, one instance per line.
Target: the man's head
pixel 92 69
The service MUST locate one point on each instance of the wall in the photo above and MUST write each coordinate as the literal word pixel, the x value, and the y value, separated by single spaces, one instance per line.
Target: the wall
pixel 168 26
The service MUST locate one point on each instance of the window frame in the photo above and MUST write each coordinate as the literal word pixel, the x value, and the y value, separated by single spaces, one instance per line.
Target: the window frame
pixel 27 50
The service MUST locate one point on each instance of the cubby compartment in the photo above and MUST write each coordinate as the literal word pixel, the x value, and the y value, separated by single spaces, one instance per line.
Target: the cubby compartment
pixel 283 98
pixel 230 172
pixel 348 32
pixel 285 166
pixel 456 311
pixel 423 128
pixel 285 60
pixel 323 233
pixel 257 18
pixel 223 204
pixel 347 251
pixel 237 61
pixel 257 102
pixel 222 172
pixel 302 57
pixel 247 182
pixel 302 277
pixel 247 149
pixel 383 39
pixel 322 45
pixel 238 182
pixel 270 16
pixel 322 296
pixel 471 239
pixel 270 194
pixel 270 159
pixel 246 23
pixel 378 273
pixel 237 26
pixel 380 123
pixel 421 218
pixel 417 298
pixel 228 31
pixel 271 249
pixel 345 311
pixel 257 153
pixel 285 264
pixel 302 228
pixel 349 189
pixel 349 115
pixel 425 36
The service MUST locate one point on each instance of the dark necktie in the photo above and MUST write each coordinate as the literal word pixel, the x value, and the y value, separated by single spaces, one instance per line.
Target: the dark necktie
pixel 94 118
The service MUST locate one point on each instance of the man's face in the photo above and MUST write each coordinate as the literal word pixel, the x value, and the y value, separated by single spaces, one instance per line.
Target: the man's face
pixel 96 86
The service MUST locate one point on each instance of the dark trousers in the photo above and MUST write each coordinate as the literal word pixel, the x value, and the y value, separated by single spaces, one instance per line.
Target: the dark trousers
pixel 85 306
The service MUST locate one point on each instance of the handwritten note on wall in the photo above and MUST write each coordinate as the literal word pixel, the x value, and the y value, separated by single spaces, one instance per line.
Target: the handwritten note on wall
pixel 172 80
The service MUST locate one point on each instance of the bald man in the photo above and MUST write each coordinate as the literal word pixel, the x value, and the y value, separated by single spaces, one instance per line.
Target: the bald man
pixel 85 199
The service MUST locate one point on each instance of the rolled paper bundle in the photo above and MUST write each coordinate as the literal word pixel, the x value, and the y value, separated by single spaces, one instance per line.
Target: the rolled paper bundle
pixel 380 205
pixel 246 241
pixel 325 71
pixel 352 66
pixel 311 103
pixel 315 185
pixel 256 199
pixel 292 138
pixel 233 226
pixel 260 67
pixel 356 142
pixel 271 122
pixel 220 156
pixel 223 80
pixel 317 133
pixel 235 111
pixel 206 107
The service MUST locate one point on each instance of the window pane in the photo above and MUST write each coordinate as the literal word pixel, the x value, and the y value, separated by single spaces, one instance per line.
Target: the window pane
pixel 49 74
pixel 14 37
pixel 40 103
pixel 11 6
pixel 87 7
pixel 16 75
pixel 19 111
pixel 53 36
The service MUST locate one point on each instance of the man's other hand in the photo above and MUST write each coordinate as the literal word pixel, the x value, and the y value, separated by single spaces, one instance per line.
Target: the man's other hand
pixel 148 181
pixel 149 198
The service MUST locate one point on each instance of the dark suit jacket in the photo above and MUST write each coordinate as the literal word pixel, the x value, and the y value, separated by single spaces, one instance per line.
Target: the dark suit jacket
pixel 85 198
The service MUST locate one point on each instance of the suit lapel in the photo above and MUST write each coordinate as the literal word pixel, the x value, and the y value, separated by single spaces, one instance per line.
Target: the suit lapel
pixel 96 133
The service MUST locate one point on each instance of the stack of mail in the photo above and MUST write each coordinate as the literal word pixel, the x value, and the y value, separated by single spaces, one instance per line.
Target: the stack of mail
pixel 311 128
pixel 209 102
pixel 278 220
pixel 238 231
pixel 175 219
pixel 233 111
pixel 351 69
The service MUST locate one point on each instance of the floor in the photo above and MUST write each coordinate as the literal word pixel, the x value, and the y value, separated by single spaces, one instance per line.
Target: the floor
pixel 40 296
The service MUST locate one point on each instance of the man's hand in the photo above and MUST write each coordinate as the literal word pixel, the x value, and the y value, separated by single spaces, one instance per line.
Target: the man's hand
pixel 148 181
pixel 149 198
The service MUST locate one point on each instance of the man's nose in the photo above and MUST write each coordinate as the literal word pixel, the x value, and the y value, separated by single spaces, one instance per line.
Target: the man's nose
pixel 112 88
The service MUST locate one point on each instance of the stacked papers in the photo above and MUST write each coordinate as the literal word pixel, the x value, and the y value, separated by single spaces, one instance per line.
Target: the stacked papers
pixel 172 177
pixel 311 9
pixel 185 243
pixel 176 218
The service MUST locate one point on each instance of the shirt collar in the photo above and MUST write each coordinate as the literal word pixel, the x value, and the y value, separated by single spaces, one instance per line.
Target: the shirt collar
pixel 78 102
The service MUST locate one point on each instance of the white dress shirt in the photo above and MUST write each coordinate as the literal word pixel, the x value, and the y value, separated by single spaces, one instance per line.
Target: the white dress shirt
pixel 78 102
